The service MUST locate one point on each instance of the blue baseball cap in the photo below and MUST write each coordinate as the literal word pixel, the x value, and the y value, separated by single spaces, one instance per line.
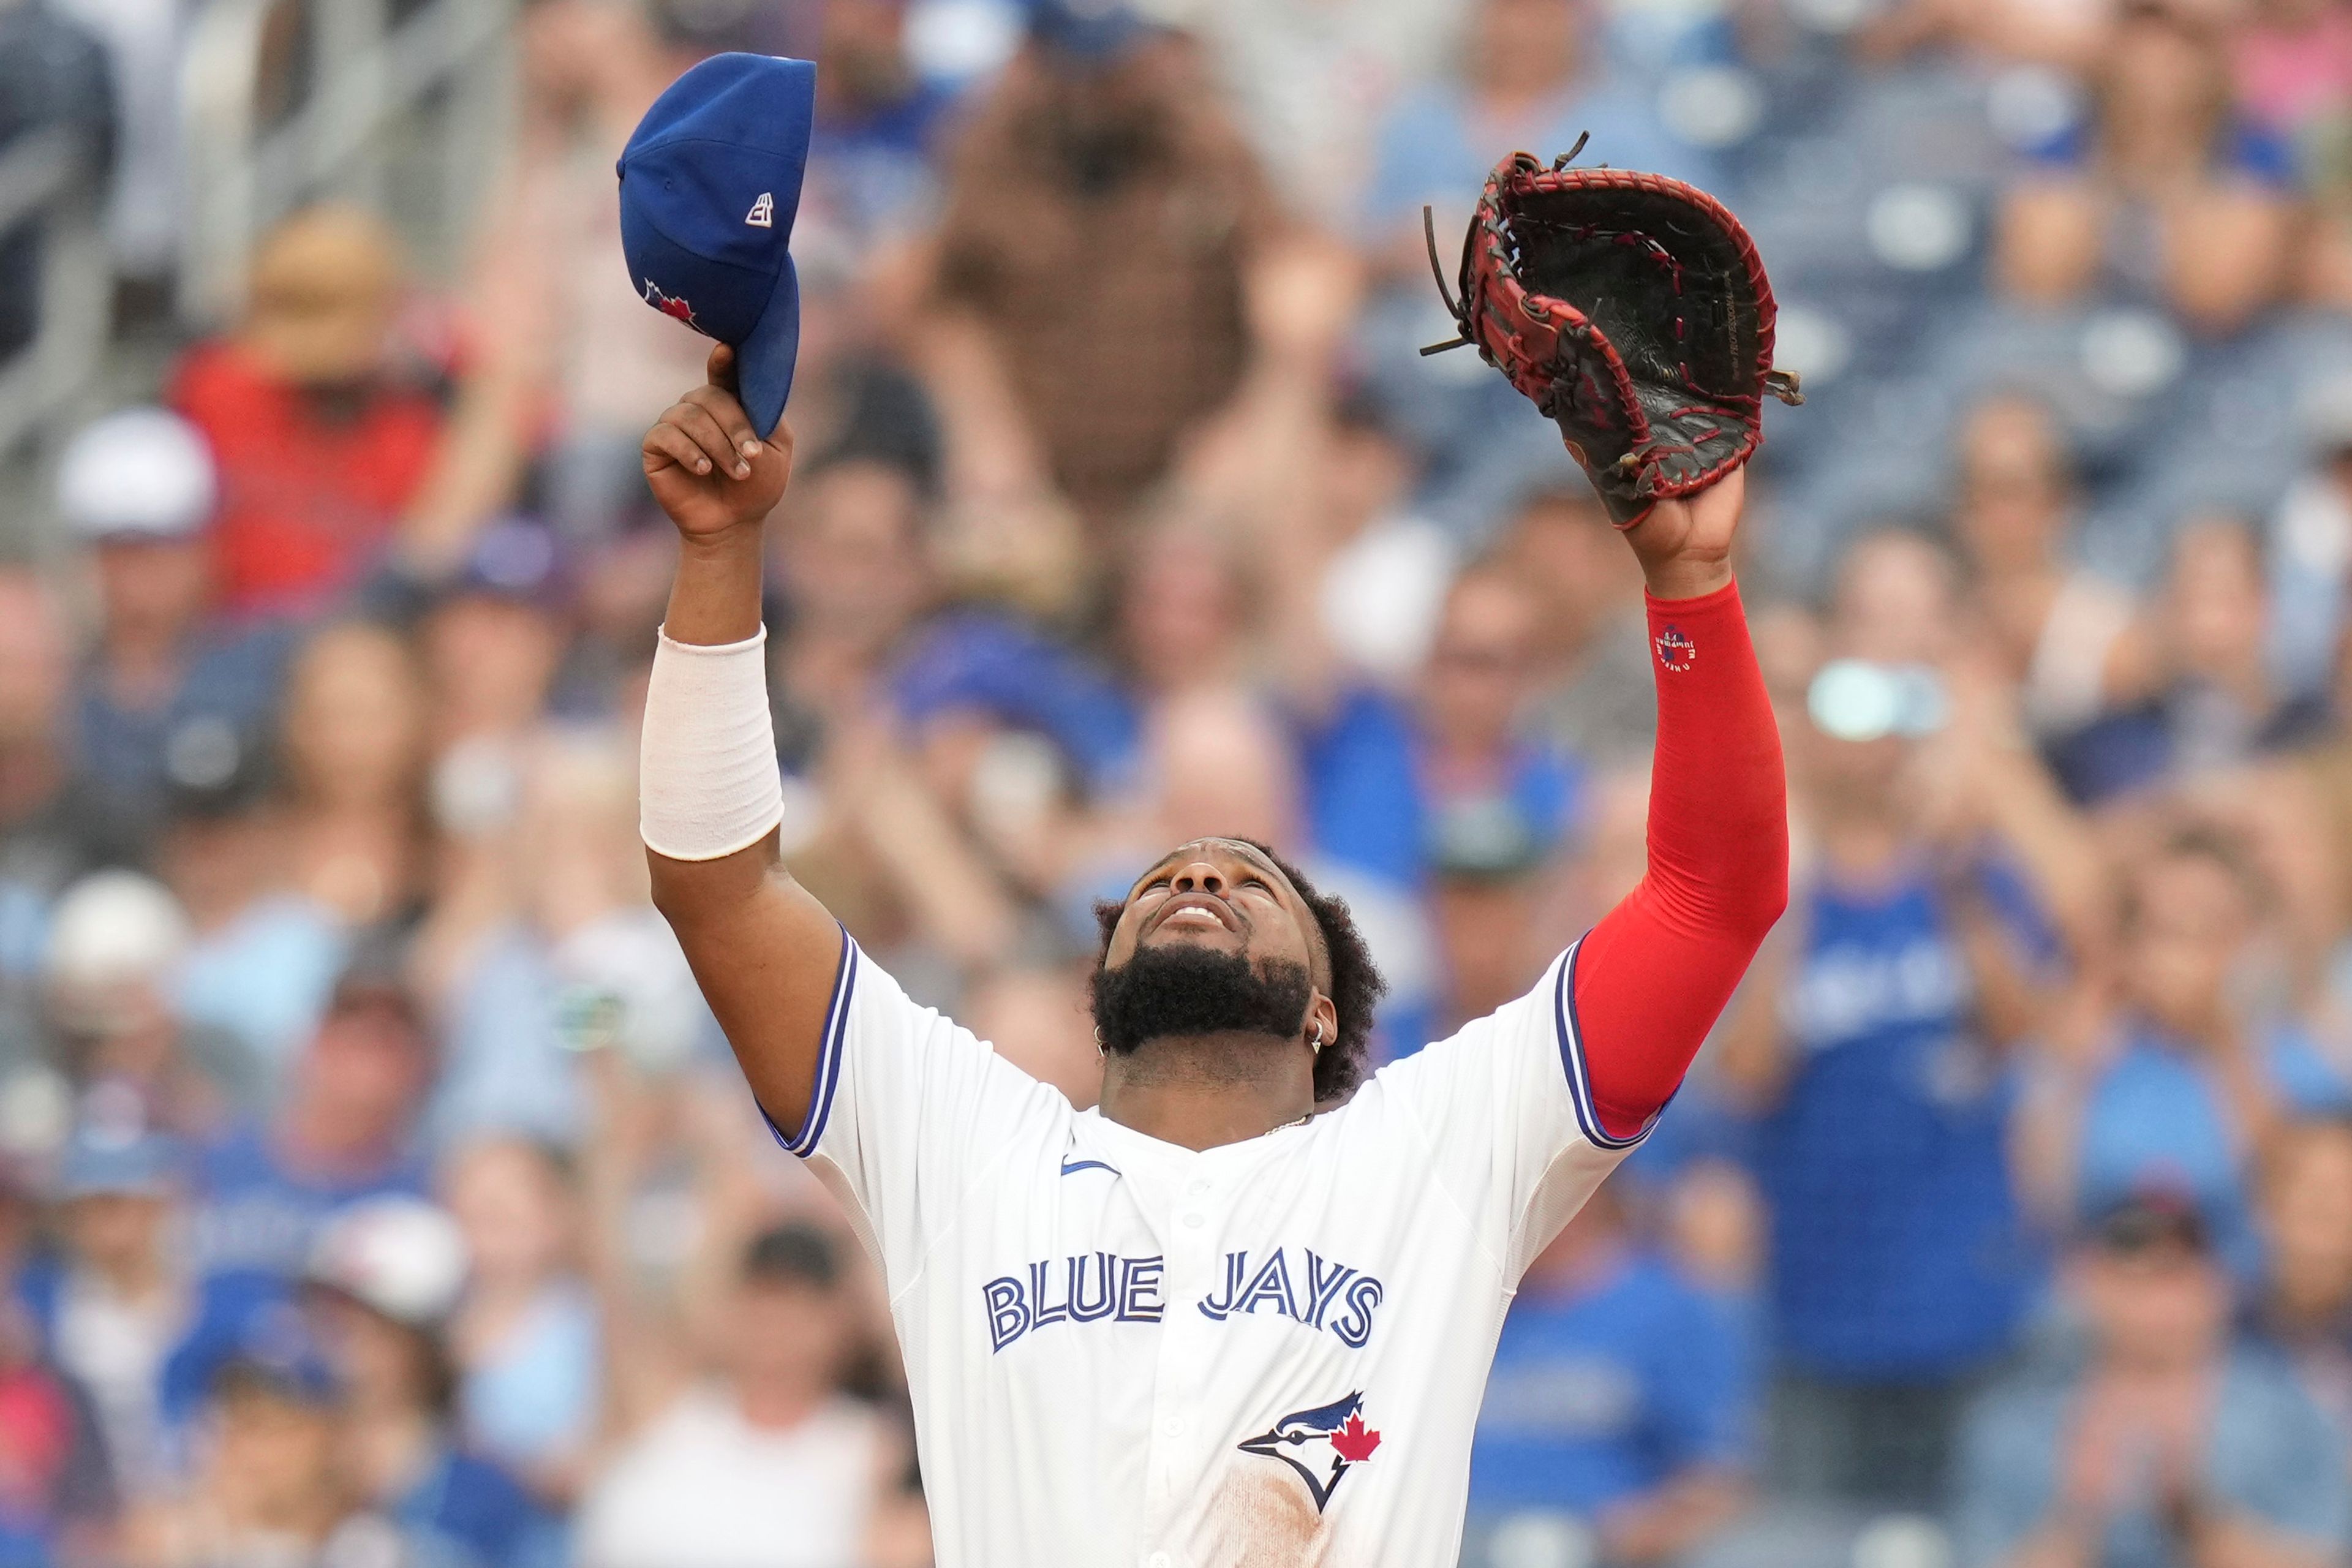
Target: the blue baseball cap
pixel 710 183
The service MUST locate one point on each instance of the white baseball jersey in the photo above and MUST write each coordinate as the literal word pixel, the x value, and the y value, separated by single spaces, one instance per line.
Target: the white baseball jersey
pixel 1124 1352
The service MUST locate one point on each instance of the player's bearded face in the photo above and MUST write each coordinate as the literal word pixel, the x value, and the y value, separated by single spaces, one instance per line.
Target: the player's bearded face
pixel 1178 988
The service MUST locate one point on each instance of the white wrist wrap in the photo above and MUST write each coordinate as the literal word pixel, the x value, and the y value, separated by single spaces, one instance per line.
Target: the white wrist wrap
pixel 706 779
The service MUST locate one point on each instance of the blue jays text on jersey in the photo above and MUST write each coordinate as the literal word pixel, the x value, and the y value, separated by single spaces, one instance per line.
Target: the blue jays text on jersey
pixel 1093 1286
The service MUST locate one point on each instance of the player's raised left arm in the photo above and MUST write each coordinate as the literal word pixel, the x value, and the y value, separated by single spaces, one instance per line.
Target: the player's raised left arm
pixel 1653 975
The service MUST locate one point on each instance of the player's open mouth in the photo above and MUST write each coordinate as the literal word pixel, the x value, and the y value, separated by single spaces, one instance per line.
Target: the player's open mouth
pixel 1197 912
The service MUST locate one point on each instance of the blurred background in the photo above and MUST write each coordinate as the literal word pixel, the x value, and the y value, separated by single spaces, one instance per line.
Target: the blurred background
pixel 374 1189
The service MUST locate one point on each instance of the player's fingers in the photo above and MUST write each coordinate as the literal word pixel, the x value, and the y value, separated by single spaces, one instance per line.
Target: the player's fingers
pixel 720 368
pixel 728 411
pixel 701 423
pixel 666 446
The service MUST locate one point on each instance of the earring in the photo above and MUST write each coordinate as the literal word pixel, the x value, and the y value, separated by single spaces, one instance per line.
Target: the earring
pixel 1316 1044
pixel 1101 1050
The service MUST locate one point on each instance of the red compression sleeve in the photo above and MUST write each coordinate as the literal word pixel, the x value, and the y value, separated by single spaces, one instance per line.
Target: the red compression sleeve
pixel 1653 975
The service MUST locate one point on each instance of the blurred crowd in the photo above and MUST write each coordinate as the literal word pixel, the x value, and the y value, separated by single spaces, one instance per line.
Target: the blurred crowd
pixel 374 1188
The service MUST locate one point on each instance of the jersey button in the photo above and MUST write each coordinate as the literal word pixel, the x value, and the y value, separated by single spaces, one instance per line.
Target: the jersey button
pixel 1192 1222
pixel 1161 1560
pixel 1172 1427
pixel 1195 1189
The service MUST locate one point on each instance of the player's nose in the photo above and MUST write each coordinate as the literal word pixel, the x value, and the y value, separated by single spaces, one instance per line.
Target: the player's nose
pixel 1199 876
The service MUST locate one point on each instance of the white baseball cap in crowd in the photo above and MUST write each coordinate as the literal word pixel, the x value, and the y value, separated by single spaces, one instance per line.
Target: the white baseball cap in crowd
pixel 114 928
pixel 400 1256
pixel 137 473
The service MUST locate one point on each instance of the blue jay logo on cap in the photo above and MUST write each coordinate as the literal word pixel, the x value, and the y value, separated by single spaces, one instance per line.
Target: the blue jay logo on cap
pixel 710 183
pixel 670 305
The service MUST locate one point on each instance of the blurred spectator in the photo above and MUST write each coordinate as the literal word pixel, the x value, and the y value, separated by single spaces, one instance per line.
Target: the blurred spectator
pixel 117 1304
pixel 49 832
pixel 2192 1074
pixel 573 959
pixel 2166 1445
pixel 343 1131
pixel 1593 639
pixel 1309 80
pixel 323 431
pixel 1498 803
pixel 2066 638
pixel 1086 363
pixel 383 1279
pixel 162 684
pixel 264 953
pixel 353 738
pixel 2294 61
pixel 1529 76
pixel 870 158
pixel 115 942
pixel 266 1485
pixel 144 42
pixel 1384 583
pixel 53 76
pixel 1623 1400
pixel 2216 701
pixel 2165 196
pixel 2304 1309
pixel 525 1336
pixel 493 635
pixel 2309 549
pixel 1873 1045
pixel 769 1465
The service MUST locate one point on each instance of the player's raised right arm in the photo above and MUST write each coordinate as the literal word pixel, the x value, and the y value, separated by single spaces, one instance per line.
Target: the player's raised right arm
pixel 765 951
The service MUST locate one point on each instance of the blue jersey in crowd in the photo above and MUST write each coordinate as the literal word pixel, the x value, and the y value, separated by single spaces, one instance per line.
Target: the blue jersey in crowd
pixel 254 1212
pixel 1606 1393
pixel 2156 1118
pixel 1897 1251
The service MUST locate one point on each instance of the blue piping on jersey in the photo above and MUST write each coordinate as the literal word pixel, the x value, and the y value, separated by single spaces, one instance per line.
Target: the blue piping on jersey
pixel 828 1062
pixel 1572 1058
pixel 1072 1167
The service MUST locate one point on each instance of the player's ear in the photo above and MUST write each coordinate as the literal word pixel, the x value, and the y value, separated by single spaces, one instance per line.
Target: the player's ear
pixel 1322 1025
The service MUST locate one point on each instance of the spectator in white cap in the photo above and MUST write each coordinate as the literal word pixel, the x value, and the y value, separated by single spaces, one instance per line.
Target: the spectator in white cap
pixel 163 682
pixel 117 939
pixel 383 1281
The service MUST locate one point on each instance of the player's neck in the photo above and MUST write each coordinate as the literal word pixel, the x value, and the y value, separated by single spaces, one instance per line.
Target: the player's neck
pixel 1199 1092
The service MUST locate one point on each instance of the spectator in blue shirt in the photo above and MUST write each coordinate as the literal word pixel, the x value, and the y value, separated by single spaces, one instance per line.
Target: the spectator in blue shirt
pixel 344 1132
pixel 2188 1084
pixel 2168 1447
pixel 1873 1054
pixel 1623 1400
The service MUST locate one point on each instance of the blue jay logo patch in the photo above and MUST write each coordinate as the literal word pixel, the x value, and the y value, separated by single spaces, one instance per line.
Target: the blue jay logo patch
pixel 1320 1444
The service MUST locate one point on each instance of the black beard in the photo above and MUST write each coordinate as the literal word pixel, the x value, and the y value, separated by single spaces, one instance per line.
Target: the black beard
pixel 1180 989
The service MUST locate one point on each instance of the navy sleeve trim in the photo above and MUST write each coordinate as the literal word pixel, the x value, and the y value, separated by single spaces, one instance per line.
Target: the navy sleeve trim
pixel 1571 1060
pixel 828 1062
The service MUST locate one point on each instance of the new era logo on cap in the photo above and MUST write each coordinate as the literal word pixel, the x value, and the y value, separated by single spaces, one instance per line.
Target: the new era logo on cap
pixel 710 184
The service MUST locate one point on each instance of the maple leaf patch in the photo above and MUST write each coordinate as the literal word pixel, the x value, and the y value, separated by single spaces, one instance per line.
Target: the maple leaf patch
pixel 1352 1441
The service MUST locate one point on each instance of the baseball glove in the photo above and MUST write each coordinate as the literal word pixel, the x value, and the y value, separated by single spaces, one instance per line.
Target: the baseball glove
pixel 1633 309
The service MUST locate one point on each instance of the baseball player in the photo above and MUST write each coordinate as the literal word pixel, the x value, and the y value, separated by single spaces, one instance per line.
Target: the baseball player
pixel 1242 1312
